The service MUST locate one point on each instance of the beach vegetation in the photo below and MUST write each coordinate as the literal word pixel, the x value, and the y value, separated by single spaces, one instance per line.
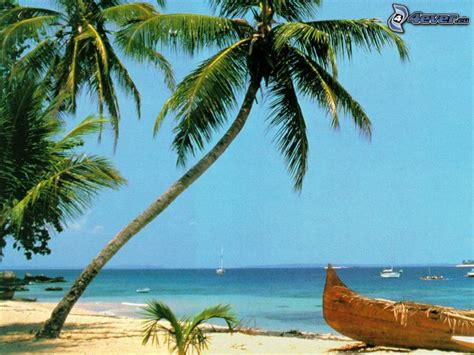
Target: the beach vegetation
pixel 71 46
pixel 258 44
pixel 45 180
pixel 182 336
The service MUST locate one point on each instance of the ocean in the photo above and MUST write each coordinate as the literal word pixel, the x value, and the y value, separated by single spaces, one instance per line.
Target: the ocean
pixel 274 299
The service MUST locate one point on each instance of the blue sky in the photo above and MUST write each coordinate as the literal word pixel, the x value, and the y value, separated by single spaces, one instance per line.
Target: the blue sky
pixel 404 197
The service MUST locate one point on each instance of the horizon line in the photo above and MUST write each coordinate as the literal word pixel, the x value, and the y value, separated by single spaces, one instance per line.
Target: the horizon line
pixel 270 266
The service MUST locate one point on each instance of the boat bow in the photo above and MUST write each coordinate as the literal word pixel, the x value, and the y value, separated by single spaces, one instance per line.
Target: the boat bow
pixel 388 323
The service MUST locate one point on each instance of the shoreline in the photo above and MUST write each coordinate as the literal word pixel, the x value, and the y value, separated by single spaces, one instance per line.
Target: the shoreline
pixel 94 308
pixel 92 332
pixel 215 328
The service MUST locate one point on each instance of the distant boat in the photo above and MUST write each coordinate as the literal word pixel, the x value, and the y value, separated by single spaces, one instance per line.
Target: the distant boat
pixel 399 324
pixel 337 267
pixel 466 263
pixel 430 277
pixel 54 289
pixel 389 273
pixel 143 290
pixel 470 273
pixel 221 271
pixel 433 278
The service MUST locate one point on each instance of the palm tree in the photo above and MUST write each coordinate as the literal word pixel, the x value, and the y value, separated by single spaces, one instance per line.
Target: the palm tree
pixel 280 50
pixel 73 49
pixel 44 180
pixel 182 335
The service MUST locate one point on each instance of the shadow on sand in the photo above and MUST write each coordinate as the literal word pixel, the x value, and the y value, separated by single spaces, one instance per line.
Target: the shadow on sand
pixel 19 337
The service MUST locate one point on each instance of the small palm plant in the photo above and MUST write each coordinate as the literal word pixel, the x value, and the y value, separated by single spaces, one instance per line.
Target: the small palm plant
pixel 182 335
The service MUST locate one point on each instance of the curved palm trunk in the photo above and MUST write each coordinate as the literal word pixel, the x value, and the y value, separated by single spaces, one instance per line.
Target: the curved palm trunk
pixel 52 327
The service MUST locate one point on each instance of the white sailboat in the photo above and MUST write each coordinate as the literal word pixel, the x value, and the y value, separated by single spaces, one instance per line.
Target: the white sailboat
pixel 221 270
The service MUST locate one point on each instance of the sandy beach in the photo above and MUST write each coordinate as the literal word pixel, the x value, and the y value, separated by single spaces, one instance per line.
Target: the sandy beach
pixel 89 332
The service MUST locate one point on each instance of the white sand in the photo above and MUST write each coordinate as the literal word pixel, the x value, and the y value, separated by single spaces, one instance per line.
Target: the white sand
pixel 87 332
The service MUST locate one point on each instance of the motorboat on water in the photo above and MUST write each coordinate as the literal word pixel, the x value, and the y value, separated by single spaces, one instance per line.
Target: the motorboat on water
pixel 143 290
pixel 390 273
pixel 470 273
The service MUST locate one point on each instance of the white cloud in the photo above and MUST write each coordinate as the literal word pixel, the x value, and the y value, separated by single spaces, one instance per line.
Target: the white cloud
pixel 82 226
pixel 98 229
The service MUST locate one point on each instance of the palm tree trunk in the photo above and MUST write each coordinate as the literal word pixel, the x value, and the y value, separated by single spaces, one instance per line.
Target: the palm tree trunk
pixel 52 327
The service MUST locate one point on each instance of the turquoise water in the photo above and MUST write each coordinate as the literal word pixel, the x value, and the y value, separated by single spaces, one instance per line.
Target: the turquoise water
pixel 277 299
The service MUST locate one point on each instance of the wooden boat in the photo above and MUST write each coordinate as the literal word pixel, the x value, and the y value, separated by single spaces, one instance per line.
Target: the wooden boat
pixel 398 324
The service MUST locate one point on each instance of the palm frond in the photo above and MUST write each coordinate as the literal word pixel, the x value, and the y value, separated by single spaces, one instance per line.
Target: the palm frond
pixel 314 81
pixel 299 32
pixel 38 59
pixel 160 61
pixel 124 79
pixel 25 12
pixel 202 100
pixel 91 32
pixel 295 10
pixel 23 28
pixel 70 60
pixel 291 10
pixel 288 118
pixel 156 312
pixel 161 3
pixel 91 124
pixel 123 13
pixel 185 335
pixel 99 86
pixel 72 183
pixel 111 102
pixel 312 41
pixel 157 59
pixel 194 336
pixel 366 33
pixel 187 32
pixel 216 312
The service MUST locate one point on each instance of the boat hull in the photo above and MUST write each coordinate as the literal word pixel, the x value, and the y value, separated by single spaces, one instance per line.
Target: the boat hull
pixel 392 275
pixel 388 323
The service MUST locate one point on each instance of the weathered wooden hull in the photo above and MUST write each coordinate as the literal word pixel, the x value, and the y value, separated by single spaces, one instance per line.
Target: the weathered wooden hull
pixel 388 323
